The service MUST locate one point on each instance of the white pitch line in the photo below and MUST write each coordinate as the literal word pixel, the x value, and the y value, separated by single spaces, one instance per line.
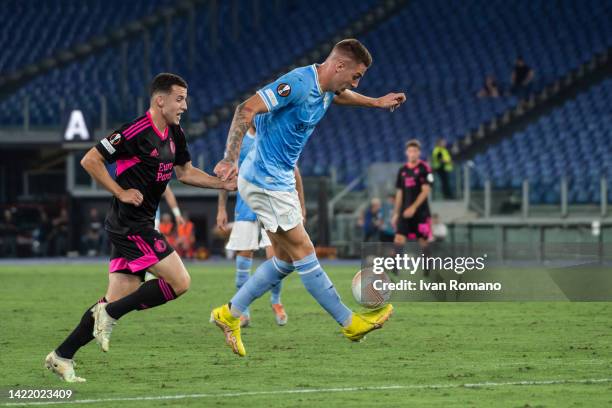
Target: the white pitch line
pixel 316 391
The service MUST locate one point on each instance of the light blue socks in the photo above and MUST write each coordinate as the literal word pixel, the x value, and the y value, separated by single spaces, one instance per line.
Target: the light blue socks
pixel 243 271
pixel 267 276
pixel 321 288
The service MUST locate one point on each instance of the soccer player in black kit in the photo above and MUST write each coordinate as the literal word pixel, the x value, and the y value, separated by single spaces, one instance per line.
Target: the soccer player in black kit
pixel 411 216
pixel 146 152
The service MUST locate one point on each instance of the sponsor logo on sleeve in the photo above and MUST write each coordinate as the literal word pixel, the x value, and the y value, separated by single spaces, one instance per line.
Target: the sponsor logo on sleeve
pixel 430 178
pixel 108 146
pixel 283 90
pixel 271 97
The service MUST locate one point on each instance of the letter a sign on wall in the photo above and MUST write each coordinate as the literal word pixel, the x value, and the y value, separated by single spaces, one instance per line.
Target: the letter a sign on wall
pixel 76 129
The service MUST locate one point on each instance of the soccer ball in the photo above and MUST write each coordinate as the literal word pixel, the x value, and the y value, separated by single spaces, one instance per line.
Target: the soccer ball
pixel 364 292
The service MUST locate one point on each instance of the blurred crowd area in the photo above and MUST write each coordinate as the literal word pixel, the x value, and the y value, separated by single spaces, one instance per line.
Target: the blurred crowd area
pixel 36 230
pixel 43 230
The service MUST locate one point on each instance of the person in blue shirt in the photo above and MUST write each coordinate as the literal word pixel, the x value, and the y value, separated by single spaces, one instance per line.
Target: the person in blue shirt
pixel 285 113
pixel 247 236
pixel 371 221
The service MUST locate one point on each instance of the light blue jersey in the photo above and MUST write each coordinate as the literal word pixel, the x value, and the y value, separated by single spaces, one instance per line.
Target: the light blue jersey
pixel 295 105
pixel 242 212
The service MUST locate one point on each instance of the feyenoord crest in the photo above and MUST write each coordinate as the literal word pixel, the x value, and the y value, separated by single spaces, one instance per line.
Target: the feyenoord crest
pixel 283 89
pixel 172 147
pixel 160 245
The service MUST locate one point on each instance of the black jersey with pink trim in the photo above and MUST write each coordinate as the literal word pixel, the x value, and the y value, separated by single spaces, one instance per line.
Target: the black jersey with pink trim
pixel 411 179
pixel 145 158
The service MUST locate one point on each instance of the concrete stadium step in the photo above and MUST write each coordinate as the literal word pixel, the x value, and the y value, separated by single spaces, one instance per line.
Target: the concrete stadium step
pixel 451 210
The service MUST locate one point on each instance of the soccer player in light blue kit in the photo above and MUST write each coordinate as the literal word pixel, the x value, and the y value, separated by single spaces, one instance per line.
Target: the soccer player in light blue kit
pixel 285 113
pixel 247 236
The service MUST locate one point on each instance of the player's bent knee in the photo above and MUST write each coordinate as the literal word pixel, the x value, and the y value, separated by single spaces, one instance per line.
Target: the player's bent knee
pixel 186 283
pixel 181 284
pixel 121 285
pixel 305 250
pixel 300 246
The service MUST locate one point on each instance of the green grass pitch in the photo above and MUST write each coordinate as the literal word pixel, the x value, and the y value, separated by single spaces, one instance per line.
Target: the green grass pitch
pixel 513 354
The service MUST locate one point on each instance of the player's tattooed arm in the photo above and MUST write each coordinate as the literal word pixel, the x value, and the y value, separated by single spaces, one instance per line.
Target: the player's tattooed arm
pixel 299 186
pixel 93 163
pixel 351 98
pixel 222 211
pixel 242 121
pixel 240 124
pixel 188 174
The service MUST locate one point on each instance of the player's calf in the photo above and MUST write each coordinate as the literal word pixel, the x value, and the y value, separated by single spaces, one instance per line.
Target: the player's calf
pixel 80 336
pixel 317 283
pixel 243 271
pixel 152 293
pixel 173 281
pixel 267 275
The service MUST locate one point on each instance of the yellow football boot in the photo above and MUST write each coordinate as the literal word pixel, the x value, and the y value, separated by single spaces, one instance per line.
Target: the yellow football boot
pixel 363 323
pixel 230 325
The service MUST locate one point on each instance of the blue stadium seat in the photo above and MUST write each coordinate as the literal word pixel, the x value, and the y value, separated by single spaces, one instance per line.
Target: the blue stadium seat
pixel 33 30
pixel 238 62
pixel 438 52
pixel 579 149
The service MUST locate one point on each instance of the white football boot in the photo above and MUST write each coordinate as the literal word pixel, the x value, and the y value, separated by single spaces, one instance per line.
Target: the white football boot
pixel 62 367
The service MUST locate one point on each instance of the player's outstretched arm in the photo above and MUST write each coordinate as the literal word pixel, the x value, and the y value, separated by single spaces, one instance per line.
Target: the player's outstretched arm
pixel 242 121
pixel 93 163
pixel 351 98
pixel 188 174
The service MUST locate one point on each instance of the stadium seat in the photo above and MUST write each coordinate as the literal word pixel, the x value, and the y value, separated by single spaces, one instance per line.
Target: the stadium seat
pixel 578 147
pixel 437 52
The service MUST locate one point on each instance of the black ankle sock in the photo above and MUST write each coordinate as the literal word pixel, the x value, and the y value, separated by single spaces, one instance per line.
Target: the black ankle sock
pixel 80 336
pixel 154 292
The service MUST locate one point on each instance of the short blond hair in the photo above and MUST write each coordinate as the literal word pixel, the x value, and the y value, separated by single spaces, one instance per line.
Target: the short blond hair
pixel 355 50
pixel 413 143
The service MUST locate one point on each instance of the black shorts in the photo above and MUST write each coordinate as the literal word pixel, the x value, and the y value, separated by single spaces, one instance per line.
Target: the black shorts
pixel 133 253
pixel 415 227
